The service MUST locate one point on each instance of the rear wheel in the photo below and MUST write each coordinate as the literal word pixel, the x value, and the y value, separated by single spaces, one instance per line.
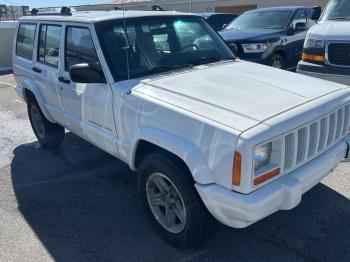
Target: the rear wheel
pixel 49 135
pixel 174 207
pixel 277 61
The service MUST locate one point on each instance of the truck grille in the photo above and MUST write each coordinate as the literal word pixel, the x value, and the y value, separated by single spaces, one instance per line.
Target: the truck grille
pixel 339 54
pixel 306 142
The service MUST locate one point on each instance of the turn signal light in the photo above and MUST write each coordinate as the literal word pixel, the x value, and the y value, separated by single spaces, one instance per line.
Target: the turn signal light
pixel 267 176
pixel 316 58
pixel 236 170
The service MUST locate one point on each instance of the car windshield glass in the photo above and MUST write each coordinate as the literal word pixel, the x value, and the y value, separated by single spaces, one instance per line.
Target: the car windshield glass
pixel 140 47
pixel 261 20
pixel 337 10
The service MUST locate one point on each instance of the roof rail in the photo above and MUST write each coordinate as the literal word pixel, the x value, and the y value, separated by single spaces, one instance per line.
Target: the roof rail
pixel 66 11
pixel 157 8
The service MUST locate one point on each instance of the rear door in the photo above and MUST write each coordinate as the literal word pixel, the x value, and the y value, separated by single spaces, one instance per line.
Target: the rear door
pixel 88 108
pixel 24 52
pixel 46 67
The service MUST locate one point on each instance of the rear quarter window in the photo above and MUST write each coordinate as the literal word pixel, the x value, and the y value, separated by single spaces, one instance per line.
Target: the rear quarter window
pixel 25 40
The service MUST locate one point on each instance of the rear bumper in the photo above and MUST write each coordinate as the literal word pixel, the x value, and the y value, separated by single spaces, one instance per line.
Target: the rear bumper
pixel 330 73
pixel 239 211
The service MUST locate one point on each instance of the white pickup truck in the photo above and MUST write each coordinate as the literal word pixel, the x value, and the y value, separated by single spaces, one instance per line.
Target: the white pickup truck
pixel 327 46
pixel 210 135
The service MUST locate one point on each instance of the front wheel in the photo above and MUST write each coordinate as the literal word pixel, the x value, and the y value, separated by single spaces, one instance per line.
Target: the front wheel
pixel 49 135
pixel 174 207
pixel 277 61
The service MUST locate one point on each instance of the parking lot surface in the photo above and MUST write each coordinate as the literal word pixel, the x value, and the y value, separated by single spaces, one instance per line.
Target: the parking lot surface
pixel 80 204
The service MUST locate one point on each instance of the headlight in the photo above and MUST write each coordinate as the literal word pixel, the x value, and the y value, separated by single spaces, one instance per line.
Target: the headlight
pixel 254 48
pixel 262 156
pixel 314 43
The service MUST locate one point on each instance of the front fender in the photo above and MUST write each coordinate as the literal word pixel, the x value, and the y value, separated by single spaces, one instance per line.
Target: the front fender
pixel 185 150
pixel 35 90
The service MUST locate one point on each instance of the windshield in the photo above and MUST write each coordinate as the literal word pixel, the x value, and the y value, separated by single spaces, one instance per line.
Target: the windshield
pixel 337 10
pixel 261 20
pixel 145 46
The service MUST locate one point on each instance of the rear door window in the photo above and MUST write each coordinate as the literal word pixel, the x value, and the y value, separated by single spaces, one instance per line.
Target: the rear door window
pixel 25 40
pixel 49 44
pixel 79 47
pixel 215 22
pixel 226 19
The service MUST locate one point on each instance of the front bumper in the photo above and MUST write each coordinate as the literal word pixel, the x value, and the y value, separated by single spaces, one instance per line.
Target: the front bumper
pixel 239 211
pixel 330 73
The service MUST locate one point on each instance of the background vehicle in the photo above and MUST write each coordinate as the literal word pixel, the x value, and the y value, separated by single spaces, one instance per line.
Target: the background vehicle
pixel 209 135
pixel 327 46
pixel 271 36
pixel 219 20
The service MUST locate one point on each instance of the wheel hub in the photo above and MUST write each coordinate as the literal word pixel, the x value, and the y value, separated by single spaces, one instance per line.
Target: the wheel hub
pixel 166 203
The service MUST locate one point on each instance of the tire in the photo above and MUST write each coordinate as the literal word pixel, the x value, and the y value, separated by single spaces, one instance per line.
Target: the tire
pixel 49 135
pixel 198 225
pixel 277 61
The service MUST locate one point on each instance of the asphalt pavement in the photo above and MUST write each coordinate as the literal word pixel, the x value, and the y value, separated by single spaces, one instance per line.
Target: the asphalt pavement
pixel 80 204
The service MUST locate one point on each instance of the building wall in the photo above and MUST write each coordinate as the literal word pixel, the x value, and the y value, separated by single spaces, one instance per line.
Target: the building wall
pixel 212 5
pixel 7 32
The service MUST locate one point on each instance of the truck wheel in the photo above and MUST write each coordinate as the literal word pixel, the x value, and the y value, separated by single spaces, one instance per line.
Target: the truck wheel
pixel 49 135
pixel 174 207
pixel 277 61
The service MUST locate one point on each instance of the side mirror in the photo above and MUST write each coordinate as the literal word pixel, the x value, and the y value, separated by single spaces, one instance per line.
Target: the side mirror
pixel 300 26
pixel 234 48
pixel 316 13
pixel 223 26
pixel 86 73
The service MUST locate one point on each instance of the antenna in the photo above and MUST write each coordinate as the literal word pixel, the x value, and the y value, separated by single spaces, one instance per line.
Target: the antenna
pixel 127 41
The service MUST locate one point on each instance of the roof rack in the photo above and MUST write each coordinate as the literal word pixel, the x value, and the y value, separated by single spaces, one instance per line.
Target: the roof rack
pixel 157 8
pixel 66 11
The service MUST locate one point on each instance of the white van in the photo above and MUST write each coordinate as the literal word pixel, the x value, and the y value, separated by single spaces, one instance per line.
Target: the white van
pixel 327 46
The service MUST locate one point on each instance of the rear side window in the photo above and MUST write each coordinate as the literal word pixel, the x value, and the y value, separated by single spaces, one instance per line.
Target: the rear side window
pixel 226 19
pixel 215 22
pixel 25 40
pixel 49 44
pixel 79 47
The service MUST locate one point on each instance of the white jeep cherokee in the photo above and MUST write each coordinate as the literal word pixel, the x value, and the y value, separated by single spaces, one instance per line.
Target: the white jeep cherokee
pixel 207 133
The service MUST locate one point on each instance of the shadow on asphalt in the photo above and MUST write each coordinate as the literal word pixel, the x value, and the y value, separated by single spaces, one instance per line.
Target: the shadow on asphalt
pixel 83 205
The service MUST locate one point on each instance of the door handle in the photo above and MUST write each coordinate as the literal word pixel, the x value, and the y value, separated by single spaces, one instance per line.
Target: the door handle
pixel 36 69
pixel 63 80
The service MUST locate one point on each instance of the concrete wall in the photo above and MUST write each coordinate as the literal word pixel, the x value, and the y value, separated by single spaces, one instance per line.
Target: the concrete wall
pixel 7 32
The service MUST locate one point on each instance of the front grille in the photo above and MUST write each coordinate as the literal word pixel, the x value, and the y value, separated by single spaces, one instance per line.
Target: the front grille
pixel 306 142
pixel 339 54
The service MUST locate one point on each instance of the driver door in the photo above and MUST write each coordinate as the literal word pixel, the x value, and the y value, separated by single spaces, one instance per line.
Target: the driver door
pixel 87 107
pixel 298 36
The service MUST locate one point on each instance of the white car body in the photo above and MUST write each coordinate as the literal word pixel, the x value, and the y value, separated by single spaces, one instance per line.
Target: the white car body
pixel 330 32
pixel 202 115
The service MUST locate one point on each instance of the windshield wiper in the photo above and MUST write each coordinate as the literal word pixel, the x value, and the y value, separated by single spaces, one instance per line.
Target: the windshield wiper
pixel 160 69
pixel 209 60
pixel 340 18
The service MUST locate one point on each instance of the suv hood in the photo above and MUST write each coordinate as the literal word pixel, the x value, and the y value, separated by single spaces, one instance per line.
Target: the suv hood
pixel 332 30
pixel 237 94
pixel 248 34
